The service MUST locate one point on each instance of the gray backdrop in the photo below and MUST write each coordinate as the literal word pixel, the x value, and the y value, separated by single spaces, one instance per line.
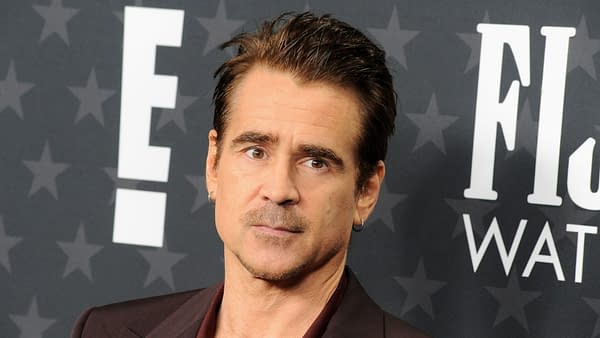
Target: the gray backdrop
pixel 60 93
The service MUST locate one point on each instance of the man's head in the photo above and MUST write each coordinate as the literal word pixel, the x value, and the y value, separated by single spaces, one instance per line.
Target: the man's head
pixel 302 117
pixel 318 49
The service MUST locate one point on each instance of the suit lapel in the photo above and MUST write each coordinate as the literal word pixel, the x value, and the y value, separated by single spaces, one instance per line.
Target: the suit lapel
pixel 357 314
pixel 183 322
pixel 129 333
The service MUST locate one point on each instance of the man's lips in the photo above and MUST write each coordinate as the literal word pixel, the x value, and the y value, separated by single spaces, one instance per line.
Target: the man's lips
pixel 276 230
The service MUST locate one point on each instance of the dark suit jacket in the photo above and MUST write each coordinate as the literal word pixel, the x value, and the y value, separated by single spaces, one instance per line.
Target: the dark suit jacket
pixel 180 315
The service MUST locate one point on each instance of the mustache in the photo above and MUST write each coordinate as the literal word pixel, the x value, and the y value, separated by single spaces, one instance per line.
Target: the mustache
pixel 276 217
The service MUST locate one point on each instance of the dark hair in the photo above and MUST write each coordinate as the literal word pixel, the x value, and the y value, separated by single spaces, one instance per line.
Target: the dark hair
pixel 319 49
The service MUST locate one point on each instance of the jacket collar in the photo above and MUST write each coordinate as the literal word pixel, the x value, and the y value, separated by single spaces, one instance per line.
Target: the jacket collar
pixel 181 323
pixel 357 314
pixel 185 321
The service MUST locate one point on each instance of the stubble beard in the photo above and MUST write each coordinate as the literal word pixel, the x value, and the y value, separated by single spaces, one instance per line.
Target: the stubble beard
pixel 289 219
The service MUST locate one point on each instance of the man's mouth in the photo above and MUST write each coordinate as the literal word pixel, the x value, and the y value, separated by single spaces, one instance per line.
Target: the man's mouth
pixel 273 221
pixel 277 230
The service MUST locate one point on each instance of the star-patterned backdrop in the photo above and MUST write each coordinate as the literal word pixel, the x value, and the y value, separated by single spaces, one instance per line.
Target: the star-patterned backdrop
pixel 60 93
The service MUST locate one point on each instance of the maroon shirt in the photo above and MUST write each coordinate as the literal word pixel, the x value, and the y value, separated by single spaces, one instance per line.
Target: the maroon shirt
pixel 317 328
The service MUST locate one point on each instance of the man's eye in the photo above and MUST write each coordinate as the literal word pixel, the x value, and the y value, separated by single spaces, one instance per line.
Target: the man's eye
pixel 256 153
pixel 315 163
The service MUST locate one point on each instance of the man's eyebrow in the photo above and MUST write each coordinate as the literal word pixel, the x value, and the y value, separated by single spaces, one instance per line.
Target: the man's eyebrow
pixel 254 137
pixel 322 152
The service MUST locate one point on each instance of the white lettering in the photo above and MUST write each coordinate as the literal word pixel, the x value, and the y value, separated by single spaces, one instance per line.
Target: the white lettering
pixel 490 113
pixel 552 258
pixel 551 114
pixel 507 258
pixel 579 177
pixel 142 90
pixel 140 215
pixel 581 231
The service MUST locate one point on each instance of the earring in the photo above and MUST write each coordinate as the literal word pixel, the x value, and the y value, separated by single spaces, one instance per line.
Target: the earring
pixel 359 227
pixel 210 198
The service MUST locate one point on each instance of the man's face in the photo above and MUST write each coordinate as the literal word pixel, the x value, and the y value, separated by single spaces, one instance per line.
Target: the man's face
pixel 285 180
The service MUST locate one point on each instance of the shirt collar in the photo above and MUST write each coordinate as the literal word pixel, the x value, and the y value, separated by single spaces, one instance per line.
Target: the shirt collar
pixel 209 323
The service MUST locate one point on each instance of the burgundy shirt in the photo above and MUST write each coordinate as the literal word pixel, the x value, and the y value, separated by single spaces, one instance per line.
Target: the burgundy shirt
pixel 317 328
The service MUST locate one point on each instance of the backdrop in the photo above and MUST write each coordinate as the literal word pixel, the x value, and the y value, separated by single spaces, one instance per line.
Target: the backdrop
pixel 487 222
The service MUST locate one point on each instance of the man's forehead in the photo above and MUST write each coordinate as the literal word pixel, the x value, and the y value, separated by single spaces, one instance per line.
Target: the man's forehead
pixel 272 83
pixel 274 103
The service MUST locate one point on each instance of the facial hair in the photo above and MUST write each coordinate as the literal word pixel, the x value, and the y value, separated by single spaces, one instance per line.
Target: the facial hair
pixel 284 218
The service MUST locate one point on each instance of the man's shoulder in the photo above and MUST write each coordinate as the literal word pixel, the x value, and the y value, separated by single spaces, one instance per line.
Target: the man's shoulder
pixel 147 306
pixel 138 314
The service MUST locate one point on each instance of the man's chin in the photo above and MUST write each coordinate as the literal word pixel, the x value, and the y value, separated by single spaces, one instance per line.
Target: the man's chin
pixel 276 273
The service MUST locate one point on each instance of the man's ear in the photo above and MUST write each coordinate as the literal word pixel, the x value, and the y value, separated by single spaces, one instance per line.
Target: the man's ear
pixel 211 164
pixel 367 197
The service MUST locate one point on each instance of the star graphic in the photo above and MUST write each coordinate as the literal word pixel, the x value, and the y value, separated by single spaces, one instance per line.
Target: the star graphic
pixel 44 172
pixel 565 214
pixel 582 50
pixel 119 14
pixel 219 27
pixel 161 263
pixel 126 184
pixel 476 210
pixel 431 125
pixel 473 40
pixel 55 19
pixel 32 325
pixel 6 243
pixel 419 290
pixel 201 195
pixel 79 253
pixel 393 38
pixel 176 115
pixel 11 91
pixel 526 132
pixel 512 301
pixel 383 209
pixel 595 305
pixel 91 98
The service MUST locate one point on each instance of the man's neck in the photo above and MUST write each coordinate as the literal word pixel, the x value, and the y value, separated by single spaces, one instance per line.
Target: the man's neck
pixel 253 307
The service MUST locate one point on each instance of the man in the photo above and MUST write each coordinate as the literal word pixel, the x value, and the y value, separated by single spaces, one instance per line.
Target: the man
pixel 302 118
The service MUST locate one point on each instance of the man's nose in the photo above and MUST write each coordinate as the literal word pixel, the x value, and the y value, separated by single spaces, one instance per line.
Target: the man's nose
pixel 280 184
